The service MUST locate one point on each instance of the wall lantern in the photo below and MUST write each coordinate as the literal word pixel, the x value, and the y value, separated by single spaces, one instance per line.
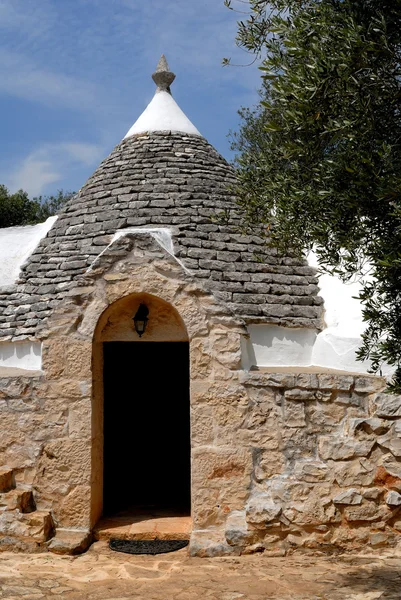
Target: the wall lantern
pixel 141 319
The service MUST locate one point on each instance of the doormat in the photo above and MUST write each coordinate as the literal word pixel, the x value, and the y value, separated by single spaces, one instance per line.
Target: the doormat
pixel 147 546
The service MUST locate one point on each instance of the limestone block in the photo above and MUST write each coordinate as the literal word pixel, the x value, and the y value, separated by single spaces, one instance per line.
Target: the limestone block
pixel 220 480
pixel 40 525
pixel 217 392
pixel 21 499
pixel 335 382
pixel 343 448
pixel 298 443
pixel 24 404
pixel 228 423
pixel 261 510
pixel 388 473
pixel 201 359
pixel 63 391
pixel 299 394
pixel 391 443
pixel 70 541
pixel 193 315
pixel 397 525
pixel 372 425
pixel 378 538
pixel 369 385
pixel 42 427
pixel 11 524
pixel 311 471
pixel 324 417
pixel 79 419
pixel 53 357
pixel 350 538
pixel 351 496
pixel 355 400
pixel 78 356
pixel 373 493
pixel 273 380
pixel 63 465
pixel 295 540
pixel 202 432
pixel 237 531
pixel 388 406
pixel 15 387
pixel 261 414
pixel 223 373
pixel 11 435
pixel 7 481
pixel 226 346
pixel 294 414
pixel 75 508
pixel 268 464
pixel 220 463
pixel 209 543
pixel 309 381
pixel 393 499
pixel 357 472
pixel 312 512
pixel 368 511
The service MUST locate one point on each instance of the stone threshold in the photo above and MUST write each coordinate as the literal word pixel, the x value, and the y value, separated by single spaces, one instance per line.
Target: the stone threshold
pixel 144 524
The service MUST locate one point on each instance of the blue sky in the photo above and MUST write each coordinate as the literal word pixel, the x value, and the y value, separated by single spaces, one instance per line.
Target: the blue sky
pixel 76 74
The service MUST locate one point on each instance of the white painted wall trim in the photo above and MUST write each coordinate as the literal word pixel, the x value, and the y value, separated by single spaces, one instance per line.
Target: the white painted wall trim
pixel 16 246
pixel 21 355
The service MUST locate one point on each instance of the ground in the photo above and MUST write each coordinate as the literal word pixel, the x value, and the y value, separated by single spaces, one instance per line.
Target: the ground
pixel 101 574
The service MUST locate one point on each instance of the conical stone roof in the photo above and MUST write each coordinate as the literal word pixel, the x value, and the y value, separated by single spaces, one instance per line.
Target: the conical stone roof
pixel 165 179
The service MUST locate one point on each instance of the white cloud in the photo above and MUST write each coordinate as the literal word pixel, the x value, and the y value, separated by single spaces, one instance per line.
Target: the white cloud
pixel 49 164
pixel 21 78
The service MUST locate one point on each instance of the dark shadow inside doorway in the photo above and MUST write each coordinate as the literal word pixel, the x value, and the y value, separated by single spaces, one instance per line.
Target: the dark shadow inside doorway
pixel 146 427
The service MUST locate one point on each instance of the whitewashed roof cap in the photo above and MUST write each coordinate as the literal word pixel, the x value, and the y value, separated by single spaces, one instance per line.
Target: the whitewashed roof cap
pixel 163 112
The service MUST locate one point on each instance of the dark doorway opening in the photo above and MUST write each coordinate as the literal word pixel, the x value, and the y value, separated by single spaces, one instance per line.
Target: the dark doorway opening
pixel 146 427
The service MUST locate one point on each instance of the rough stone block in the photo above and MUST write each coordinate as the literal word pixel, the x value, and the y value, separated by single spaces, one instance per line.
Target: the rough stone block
pixel 7 481
pixel 335 382
pixel 311 471
pixel 299 394
pixel 343 448
pixel 40 525
pixel 388 406
pixel 70 541
pixel 237 531
pixel 372 425
pixel 368 511
pixel 351 496
pixel 261 510
pixel 21 499
pixel 393 499
pixel 368 385
pixel 294 414
pixel 210 543
pixel 391 443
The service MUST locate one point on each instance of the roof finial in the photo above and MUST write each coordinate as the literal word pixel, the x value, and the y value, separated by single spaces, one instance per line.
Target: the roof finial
pixel 163 77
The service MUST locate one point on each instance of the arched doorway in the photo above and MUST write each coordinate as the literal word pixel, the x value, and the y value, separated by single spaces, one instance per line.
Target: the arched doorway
pixel 146 409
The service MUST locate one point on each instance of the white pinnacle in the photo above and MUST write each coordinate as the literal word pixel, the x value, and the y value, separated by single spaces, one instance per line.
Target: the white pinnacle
pixel 163 113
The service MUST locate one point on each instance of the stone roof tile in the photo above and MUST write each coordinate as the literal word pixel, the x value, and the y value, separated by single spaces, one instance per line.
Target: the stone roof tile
pixel 169 180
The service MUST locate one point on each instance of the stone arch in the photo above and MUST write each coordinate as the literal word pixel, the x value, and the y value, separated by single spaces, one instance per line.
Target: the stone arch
pixel 115 324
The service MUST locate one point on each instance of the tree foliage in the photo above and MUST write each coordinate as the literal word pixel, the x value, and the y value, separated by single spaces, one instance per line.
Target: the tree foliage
pixel 321 154
pixel 19 209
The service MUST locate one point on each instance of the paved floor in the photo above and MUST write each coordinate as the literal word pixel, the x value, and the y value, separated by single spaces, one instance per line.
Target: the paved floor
pixel 101 574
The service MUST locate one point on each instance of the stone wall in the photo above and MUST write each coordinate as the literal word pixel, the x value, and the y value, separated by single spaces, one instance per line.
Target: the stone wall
pixel 280 461
pixel 27 419
pixel 325 465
